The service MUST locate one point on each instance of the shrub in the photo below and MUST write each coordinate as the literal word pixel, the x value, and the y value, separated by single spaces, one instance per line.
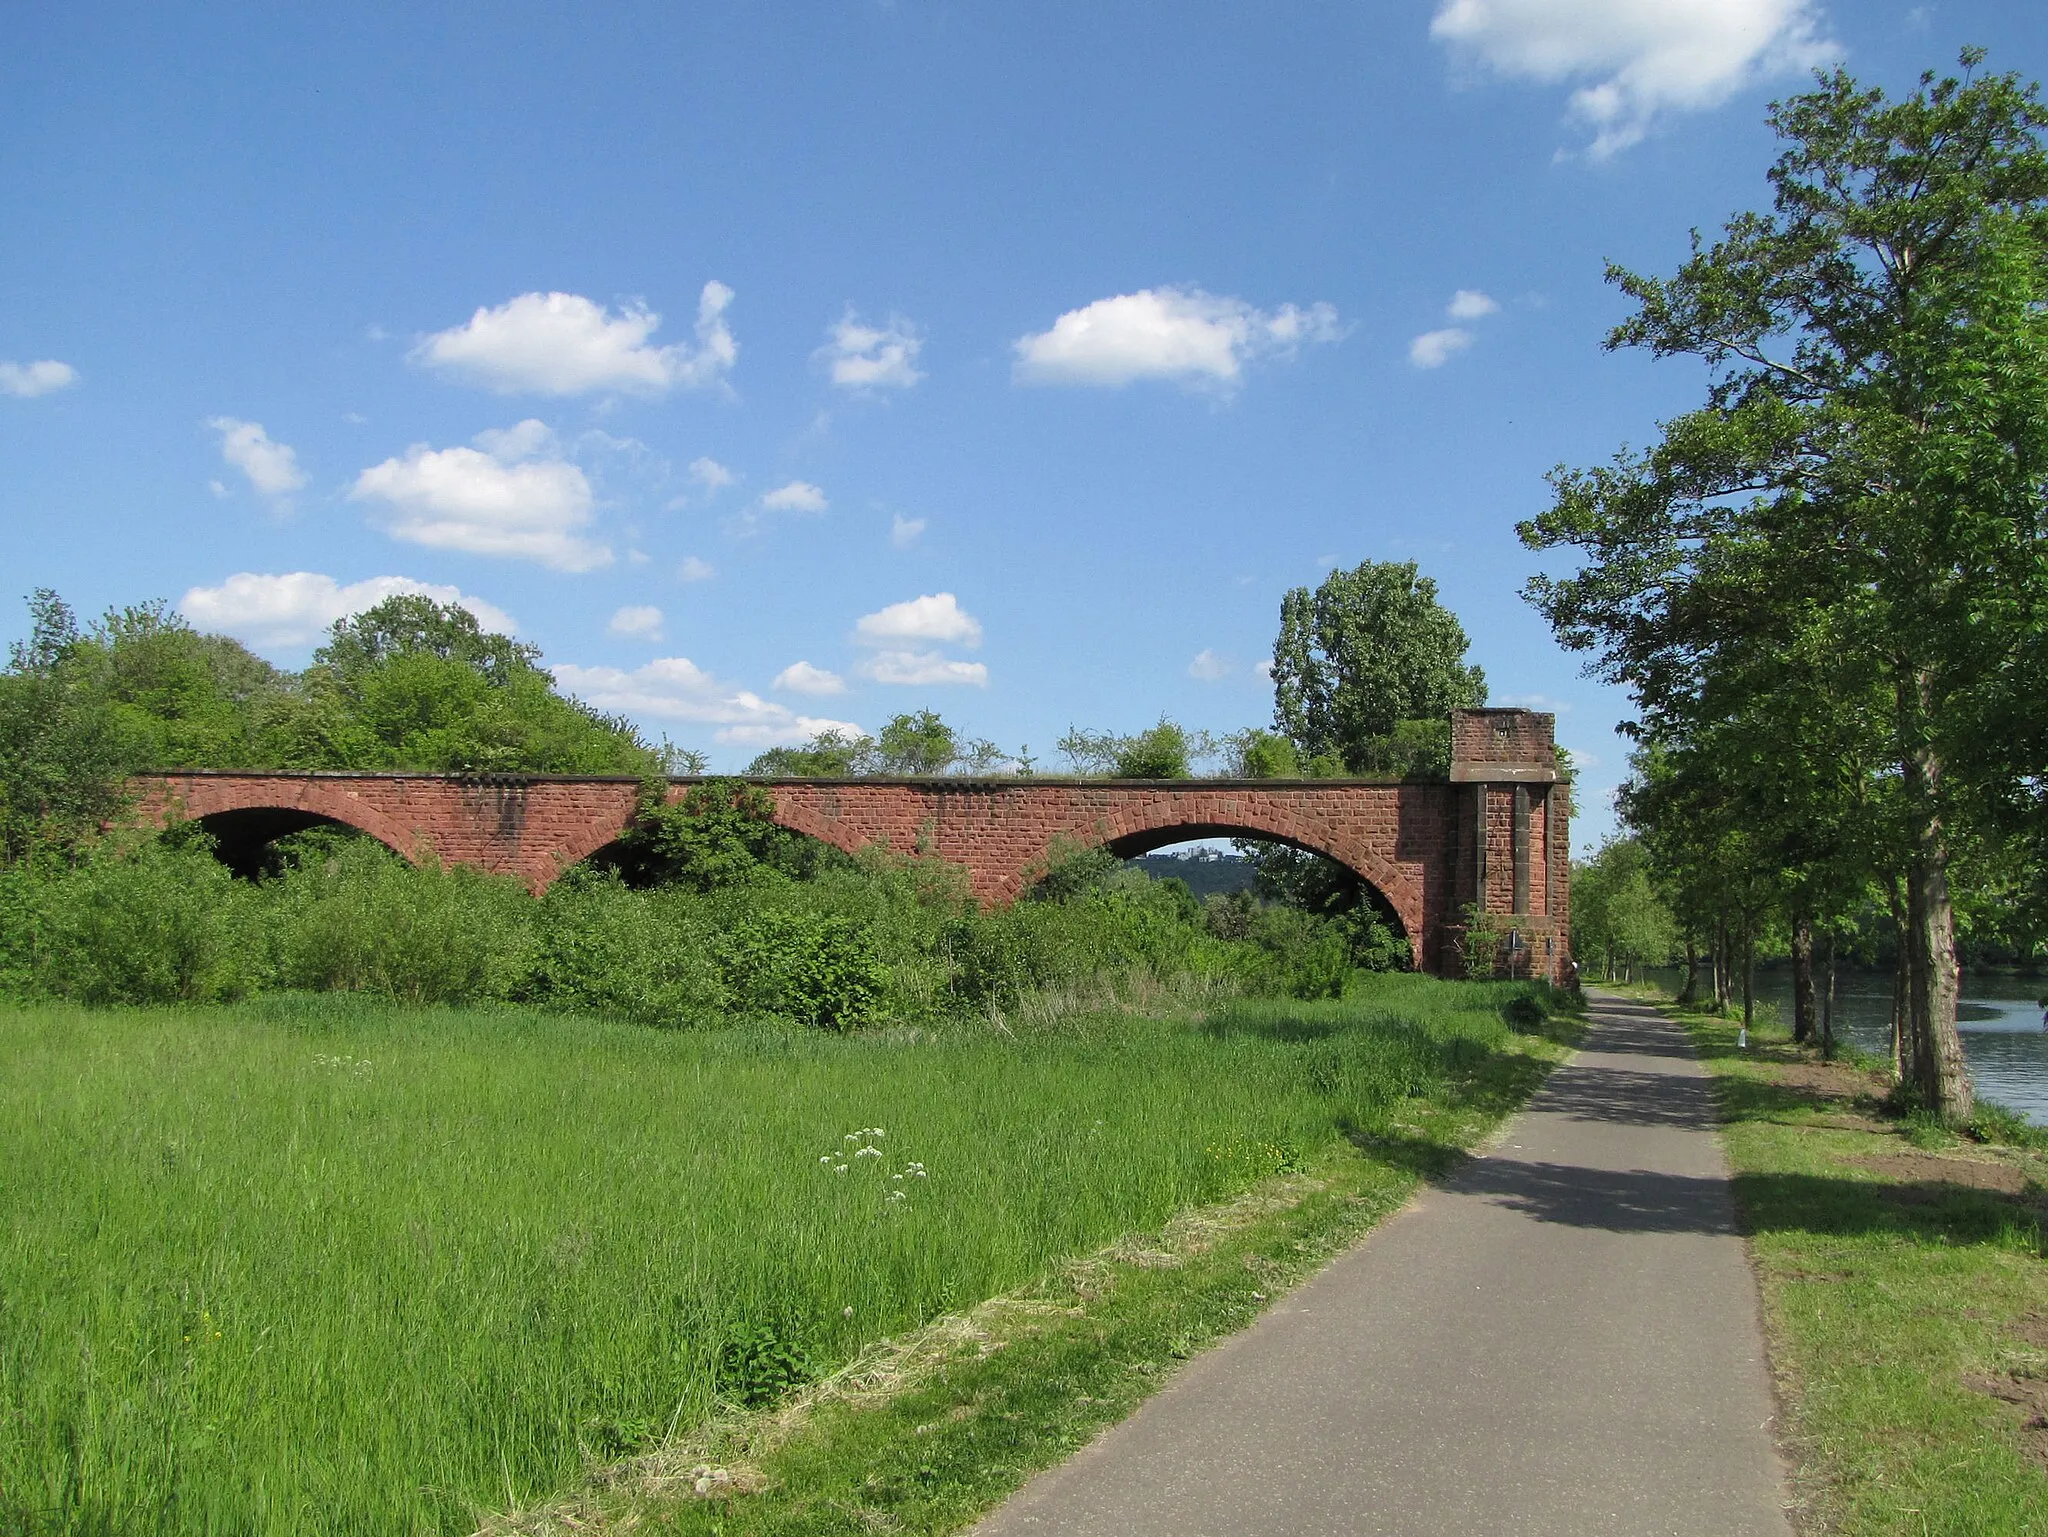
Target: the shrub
pixel 366 921
pixel 1160 752
pixel 814 968
pixel 759 1365
pixel 161 923
pixel 603 949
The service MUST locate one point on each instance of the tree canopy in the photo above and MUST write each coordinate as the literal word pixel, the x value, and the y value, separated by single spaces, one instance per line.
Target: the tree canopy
pixel 1824 585
pixel 409 684
pixel 1367 669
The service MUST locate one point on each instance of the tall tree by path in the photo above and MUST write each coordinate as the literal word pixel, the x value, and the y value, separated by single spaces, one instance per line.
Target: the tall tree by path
pixel 1873 447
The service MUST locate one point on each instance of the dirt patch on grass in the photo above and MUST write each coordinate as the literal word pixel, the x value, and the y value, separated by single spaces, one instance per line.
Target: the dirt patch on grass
pixel 1931 1168
pixel 2027 1397
pixel 1828 1080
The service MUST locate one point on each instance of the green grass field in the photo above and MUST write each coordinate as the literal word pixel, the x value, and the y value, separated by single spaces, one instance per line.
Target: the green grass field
pixel 315 1265
pixel 1905 1282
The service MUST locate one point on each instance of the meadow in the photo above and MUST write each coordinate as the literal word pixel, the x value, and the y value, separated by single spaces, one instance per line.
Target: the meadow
pixel 320 1263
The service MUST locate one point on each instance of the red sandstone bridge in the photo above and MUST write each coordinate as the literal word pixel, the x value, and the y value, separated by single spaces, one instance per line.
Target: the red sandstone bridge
pixel 1496 834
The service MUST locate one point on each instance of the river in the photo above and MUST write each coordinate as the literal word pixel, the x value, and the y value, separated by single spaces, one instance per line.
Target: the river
pixel 2000 1019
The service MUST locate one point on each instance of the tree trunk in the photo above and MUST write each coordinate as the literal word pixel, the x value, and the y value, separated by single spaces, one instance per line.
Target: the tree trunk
pixel 1748 977
pixel 1720 965
pixel 1802 980
pixel 1938 1070
pixel 1899 981
pixel 1827 1007
pixel 1692 970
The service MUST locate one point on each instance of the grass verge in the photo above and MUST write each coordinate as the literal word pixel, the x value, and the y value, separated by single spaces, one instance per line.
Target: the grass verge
pixel 317 1265
pixel 924 1434
pixel 1905 1290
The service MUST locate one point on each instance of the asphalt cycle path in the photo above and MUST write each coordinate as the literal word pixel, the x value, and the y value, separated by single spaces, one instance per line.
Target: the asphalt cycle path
pixel 1562 1338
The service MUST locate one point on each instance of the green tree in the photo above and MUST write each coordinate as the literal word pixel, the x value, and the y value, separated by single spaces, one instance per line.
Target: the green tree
pixel 415 684
pixel 1163 751
pixel 1264 755
pixel 1616 911
pixel 61 756
pixel 916 744
pixel 412 624
pixel 1873 447
pixel 1367 651
pixel 830 754
pixel 1167 750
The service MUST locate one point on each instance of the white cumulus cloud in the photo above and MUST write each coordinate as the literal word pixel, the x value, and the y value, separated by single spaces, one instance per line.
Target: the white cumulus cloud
pixel 905 637
pixel 922 669
pixel 296 608
pixel 904 532
pixel 564 344
pixel 1208 667
pixel 512 494
pixel 803 678
pixel 1633 60
pixel 1166 333
pixel 694 570
pixel 1433 349
pixel 797 496
pixel 28 380
pixel 710 474
pixel 1471 304
pixel 272 467
pixel 936 617
pixel 637 621
pixel 865 357
pixel 676 689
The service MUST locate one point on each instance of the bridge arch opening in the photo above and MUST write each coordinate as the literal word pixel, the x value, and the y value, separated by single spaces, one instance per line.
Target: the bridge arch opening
pixel 255 841
pixel 1274 868
pixel 721 855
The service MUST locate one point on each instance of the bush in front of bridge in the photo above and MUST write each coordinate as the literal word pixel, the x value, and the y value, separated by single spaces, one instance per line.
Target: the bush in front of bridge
pixel 158 922
pixel 361 919
pixel 855 942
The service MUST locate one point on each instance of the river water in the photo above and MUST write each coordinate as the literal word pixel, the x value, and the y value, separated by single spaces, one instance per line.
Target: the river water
pixel 2000 1019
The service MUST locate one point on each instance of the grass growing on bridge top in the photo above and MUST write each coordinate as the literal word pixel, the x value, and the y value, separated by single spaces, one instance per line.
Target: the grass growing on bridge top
pixel 315 1264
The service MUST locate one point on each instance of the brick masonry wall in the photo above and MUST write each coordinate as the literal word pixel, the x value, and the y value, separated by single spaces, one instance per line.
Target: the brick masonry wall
pixel 1412 842
pixel 533 829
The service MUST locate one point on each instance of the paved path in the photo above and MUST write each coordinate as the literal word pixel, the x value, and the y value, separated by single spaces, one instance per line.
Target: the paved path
pixel 1563 1339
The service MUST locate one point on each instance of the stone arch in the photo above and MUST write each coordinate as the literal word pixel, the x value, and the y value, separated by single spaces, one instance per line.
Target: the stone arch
pixel 244 814
pixel 585 845
pixel 1140 828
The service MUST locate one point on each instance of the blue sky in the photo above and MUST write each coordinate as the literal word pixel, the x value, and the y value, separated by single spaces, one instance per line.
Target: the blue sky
pixel 771 366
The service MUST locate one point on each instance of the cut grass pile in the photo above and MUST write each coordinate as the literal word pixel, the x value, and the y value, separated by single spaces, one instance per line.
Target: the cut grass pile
pixel 1905 1284
pixel 314 1265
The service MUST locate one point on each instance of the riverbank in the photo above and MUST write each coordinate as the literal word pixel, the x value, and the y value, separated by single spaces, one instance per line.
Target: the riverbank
pixel 1904 1273
pixel 1998 1015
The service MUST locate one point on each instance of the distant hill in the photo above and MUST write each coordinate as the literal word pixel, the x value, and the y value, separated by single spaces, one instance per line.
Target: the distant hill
pixel 1206 873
